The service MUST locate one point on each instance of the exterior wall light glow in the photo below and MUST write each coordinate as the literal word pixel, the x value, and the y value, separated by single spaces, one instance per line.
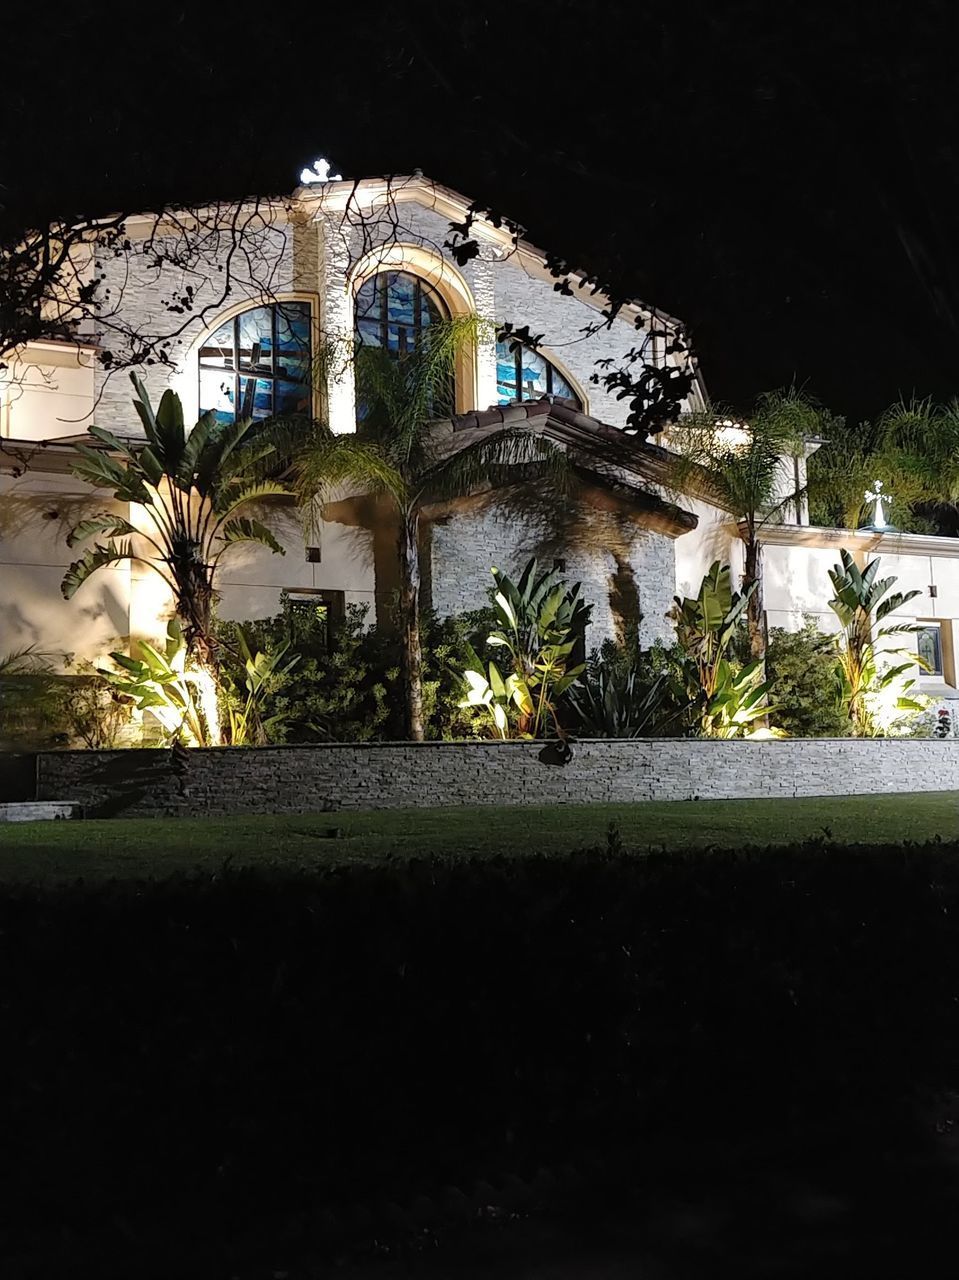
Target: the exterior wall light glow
pixel 318 174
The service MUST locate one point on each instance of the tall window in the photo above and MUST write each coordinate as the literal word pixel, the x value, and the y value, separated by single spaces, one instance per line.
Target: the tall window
pixel 526 375
pixel 929 644
pixel 392 310
pixel 258 364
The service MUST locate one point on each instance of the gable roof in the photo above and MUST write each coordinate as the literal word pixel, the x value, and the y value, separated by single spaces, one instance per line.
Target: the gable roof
pixel 418 188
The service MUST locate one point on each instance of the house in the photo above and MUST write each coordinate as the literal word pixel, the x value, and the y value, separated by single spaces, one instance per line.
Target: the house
pixel 338 261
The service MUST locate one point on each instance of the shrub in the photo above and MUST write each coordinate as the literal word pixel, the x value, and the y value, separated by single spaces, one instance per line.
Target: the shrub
pixel 800 666
pixel 626 693
pixel 540 623
pixel 726 699
pixel 41 709
pixel 345 686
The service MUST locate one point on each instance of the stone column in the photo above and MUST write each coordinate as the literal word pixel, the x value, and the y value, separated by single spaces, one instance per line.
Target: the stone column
pixel 337 323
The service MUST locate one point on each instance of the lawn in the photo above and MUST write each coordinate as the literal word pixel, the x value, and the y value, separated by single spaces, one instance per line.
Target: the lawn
pixel 144 847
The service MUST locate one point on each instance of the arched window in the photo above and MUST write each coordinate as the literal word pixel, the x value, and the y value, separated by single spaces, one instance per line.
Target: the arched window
pixel 393 308
pixel 526 375
pixel 258 364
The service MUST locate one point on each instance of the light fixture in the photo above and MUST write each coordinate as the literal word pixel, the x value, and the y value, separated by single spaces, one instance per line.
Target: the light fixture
pixel 318 174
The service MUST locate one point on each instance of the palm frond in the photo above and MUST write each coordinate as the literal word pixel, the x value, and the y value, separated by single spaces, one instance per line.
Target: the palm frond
pixel 495 461
pixel 241 493
pixel 402 395
pixel 170 433
pixel 104 472
pixel 112 525
pixel 246 529
pixel 328 461
pixel 96 558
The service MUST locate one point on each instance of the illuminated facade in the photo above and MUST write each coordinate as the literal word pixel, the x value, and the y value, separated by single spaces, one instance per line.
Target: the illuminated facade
pixel 340 263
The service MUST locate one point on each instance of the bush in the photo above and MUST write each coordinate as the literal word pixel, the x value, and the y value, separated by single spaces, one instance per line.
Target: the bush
pixel 800 666
pixel 41 710
pixel 626 692
pixel 345 686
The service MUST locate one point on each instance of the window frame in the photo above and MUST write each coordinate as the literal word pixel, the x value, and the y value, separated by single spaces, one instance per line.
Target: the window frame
pixel 275 307
pixel 924 625
pixel 330 598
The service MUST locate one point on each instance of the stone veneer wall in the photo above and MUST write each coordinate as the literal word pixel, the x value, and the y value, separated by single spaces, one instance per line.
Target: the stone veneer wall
pixel 235 781
pixel 469 545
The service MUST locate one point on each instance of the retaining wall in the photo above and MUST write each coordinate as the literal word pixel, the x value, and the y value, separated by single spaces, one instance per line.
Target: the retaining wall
pixel 297 779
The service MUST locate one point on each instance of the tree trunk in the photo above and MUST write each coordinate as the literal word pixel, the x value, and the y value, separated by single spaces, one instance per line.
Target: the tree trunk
pixel 409 564
pixel 195 611
pixel 194 606
pixel 755 612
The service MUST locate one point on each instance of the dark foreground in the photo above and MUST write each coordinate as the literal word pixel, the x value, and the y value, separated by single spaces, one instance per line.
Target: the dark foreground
pixel 589 1066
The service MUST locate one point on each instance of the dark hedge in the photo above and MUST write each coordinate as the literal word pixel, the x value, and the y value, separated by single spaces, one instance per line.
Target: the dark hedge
pixel 303 1052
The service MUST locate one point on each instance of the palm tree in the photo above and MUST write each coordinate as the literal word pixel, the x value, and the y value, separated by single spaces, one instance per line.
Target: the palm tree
pixel 399 456
pixel 741 466
pixel 913 448
pixel 196 491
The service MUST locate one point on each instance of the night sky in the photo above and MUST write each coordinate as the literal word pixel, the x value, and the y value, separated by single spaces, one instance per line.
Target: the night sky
pixel 783 177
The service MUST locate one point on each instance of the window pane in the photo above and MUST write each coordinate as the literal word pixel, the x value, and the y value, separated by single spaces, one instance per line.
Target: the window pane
pixel 537 377
pixel 399 339
pixel 368 301
pixel 217 390
pixel 930 649
pixel 272 341
pixel 505 374
pixel 291 397
pixel 293 340
pixel 256 340
pixel 217 351
pixel 401 299
pixel 532 375
pixel 368 333
pixel 392 311
pixel 561 387
pixel 256 398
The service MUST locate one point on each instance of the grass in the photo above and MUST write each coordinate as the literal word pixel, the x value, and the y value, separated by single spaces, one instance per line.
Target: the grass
pixel 131 848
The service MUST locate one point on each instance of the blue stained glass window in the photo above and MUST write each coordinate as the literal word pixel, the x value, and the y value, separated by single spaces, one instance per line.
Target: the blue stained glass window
pixel 392 310
pixel 526 375
pixel 272 344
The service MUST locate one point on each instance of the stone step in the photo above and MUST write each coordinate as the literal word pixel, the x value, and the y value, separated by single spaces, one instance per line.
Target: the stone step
pixel 38 810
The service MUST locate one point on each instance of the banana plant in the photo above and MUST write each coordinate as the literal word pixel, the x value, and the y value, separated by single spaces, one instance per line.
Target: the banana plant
pixel 872 687
pixel 541 621
pixel 725 702
pixel 198 491
pixel 181 699
pixel 246 724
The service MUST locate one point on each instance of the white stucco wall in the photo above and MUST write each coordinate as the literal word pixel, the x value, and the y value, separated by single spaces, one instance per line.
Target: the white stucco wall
pixel 36 512
pixel 46 392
